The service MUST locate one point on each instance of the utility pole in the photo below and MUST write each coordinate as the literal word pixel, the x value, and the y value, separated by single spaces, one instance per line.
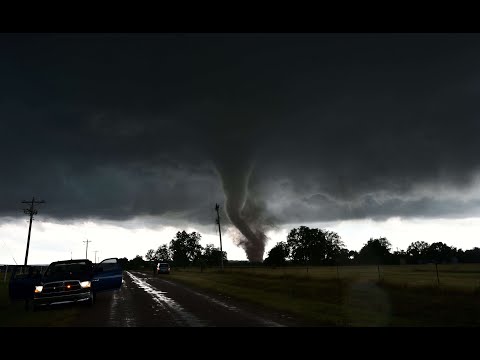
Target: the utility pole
pixel 95 256
pixel 86 250
pixel 220 233
pixel 30 211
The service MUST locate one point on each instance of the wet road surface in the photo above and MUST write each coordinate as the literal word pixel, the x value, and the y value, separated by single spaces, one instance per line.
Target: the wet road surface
pixel 147 300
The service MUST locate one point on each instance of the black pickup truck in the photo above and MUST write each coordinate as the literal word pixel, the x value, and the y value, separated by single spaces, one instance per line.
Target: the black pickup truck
pixel 68 281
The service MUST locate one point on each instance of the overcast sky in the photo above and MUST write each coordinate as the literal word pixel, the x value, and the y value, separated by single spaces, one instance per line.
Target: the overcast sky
pixel 149 131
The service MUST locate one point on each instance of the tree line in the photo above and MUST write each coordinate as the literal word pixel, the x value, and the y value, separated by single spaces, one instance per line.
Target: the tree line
pixel 185 250
pixel 310 246
pixel 307 246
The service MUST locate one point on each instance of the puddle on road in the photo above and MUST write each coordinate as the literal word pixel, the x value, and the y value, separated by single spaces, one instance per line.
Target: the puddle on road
pixel 186 318
pixel 114 314
pixel 230 307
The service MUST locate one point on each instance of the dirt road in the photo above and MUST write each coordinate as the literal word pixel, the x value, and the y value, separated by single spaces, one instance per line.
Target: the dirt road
pixel 147 300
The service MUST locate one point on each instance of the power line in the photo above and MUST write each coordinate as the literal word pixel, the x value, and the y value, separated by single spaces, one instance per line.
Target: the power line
pixel 30 211
pixel 4 243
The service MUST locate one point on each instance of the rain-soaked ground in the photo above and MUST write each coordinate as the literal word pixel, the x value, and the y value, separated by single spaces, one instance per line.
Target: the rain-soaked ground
pixel 147 300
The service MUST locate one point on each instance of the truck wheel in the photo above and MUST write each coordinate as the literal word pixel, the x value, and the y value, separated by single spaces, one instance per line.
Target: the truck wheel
pixel 91 300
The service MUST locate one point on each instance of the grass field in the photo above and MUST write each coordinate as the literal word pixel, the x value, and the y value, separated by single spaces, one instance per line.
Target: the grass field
pixel 355 295
pixel 406 295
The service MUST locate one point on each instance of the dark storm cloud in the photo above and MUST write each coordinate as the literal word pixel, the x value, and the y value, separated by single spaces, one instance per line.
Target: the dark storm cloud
pixel 323 208
pixel 120 125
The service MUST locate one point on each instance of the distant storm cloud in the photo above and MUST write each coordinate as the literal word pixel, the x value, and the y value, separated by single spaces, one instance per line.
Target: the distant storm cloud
pixel 328 126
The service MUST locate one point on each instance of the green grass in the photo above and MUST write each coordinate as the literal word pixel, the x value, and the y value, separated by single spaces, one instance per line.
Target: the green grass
pixel 406 295
pixel 356 296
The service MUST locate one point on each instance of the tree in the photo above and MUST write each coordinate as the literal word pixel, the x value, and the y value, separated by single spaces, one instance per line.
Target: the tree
pixel 300 242
pixel 399 257
pixel 150 256
pixel 277 256
pixel 440 252
pixel 335 249
pixel 353 256
pixel 163 254
pixel 416 251
pixel 212 256
pixel 313 246
pixel 345 257
pixel 137 262
pixel 185 248
pixel 375 251
pixel 124 263
pixel 471 256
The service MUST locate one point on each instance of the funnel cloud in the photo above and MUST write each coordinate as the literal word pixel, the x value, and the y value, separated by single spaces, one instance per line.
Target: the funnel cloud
pixel 235 175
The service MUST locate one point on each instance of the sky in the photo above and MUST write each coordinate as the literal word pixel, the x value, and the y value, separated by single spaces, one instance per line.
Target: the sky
pixel 130 138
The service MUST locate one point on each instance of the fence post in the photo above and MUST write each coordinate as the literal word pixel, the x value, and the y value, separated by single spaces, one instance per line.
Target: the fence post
pixel 339 286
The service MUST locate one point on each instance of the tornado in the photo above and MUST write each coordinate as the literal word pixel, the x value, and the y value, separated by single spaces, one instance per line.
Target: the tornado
pixel 235 175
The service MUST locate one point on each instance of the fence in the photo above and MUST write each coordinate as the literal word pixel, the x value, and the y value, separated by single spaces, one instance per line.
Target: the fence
pixel 448 275
pixel 8 269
